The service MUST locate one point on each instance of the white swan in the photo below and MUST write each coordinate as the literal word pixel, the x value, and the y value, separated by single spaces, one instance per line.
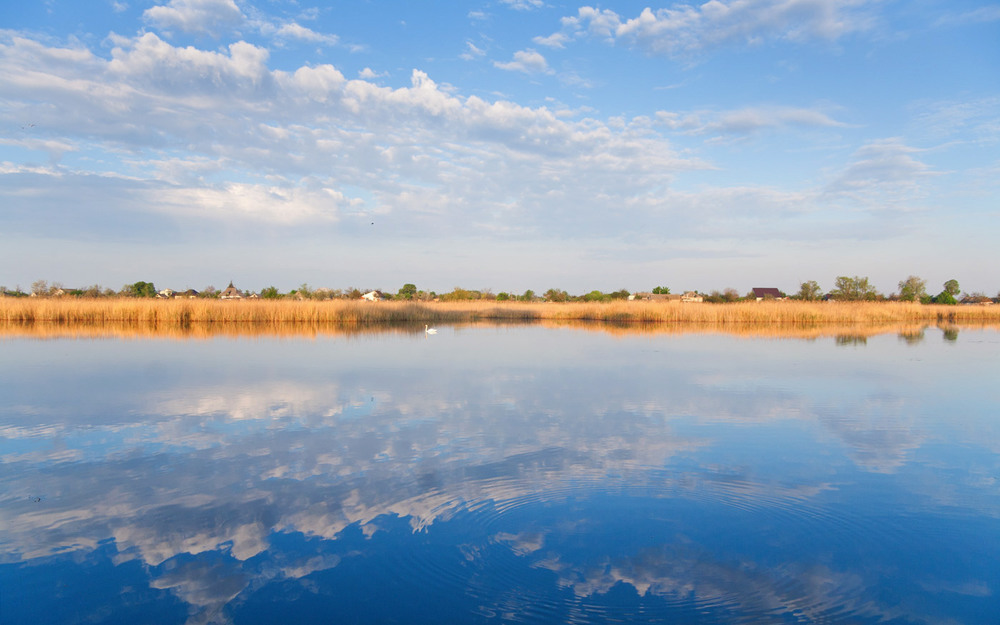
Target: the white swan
pixel 429 330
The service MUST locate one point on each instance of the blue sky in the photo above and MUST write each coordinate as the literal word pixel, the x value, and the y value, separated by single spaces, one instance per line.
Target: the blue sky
pixel 504 145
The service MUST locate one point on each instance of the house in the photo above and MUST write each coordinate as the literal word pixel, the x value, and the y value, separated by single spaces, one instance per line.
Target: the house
pixel 767 293
pixel 231 292
pixel 189 294
pixel 692 296
pixel 166 294
pixel 373 296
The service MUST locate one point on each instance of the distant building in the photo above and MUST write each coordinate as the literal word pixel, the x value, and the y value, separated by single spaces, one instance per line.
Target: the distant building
pixel 765 293
pixel 231 292
pixel 689 296
pixel 373 296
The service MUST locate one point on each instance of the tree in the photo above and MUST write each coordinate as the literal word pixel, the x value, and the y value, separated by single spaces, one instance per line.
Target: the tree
pixel 39 287
pixel 408 291
pixel 854 289
pixel 661 290
pixel 529 296
pixel 459 294
pixel 270 292
pixel 503 296
pixel 555 295
pixel 809 291
pixel 951 287
pixel 944 297
pixel 139 289
pixel 594 296
pixel 912 289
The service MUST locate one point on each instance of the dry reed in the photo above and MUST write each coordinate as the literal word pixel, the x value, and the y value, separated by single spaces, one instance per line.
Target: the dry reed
pixel 240 315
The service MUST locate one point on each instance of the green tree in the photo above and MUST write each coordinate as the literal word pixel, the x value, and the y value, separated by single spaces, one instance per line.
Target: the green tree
pixel 408 291
pixel 913 289
pixel 854 289
pixel 139 289
pixel 951 287
pixel 503 296
pixel 619 294
pixel 661 290
pixel 809 291
pixel 594 296
pixel 556 295
pixel 529 296
pixel 270 292
pixel 459 294
pixel 944 297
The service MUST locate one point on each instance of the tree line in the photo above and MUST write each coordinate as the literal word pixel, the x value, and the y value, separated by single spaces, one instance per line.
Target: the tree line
pixel 845 288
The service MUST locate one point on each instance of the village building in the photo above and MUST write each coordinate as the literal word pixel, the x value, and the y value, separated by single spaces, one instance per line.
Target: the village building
pixel 767 293
pixel 231 292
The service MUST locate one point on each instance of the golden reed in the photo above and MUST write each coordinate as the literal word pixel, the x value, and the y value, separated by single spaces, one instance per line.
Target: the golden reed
pixel 52 317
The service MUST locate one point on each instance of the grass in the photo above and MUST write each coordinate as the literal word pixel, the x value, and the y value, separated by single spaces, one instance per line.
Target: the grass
pixel 266 316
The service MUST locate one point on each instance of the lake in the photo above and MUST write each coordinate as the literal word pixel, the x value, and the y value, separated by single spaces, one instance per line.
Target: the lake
pixel 490 474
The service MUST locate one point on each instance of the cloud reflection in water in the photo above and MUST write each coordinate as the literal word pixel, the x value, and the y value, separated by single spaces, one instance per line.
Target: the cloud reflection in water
pixel 542 476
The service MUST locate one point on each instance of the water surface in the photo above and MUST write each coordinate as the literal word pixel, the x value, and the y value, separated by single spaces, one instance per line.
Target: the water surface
pixel 501 474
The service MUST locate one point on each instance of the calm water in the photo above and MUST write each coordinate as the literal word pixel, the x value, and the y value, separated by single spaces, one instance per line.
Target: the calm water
pixel 489 475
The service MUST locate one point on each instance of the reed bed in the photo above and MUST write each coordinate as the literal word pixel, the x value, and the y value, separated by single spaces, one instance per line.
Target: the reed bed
pixel 182 313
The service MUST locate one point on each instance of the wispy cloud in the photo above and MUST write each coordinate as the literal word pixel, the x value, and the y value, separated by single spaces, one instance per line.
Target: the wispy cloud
pixel 527 61
pixel 523 5
pixel 885 173
pixel 685 29
pixel 293 30
pixel 472 52
pixel 196 16
pixel 746 121
pixel 982 15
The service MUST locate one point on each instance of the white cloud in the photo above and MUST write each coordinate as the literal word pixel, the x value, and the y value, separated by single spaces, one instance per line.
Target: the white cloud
pixel 555 40
pixel 196 16
pixel 282 137
pixel 884 173
pixel 684 29
pixel 293 30
pixel 746 121
pixel 523 5
pixel 527 61
pixel 472 52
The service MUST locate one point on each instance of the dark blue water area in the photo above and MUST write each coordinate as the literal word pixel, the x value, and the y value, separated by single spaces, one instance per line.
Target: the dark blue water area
pixel 518 475
pixel 598 558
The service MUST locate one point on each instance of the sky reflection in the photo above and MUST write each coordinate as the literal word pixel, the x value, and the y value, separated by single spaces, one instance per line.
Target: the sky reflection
pixel 549 474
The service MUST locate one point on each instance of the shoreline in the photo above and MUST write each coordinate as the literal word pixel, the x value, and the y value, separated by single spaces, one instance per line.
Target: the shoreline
pixel 283 316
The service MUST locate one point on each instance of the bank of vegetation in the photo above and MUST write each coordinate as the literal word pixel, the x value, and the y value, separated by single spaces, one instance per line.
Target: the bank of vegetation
pixel 181 312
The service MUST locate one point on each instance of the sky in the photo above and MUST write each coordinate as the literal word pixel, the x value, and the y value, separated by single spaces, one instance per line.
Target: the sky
pixel 499 144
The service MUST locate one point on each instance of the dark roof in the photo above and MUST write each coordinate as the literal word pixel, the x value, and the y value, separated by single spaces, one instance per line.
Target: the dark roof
pixel 766 292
